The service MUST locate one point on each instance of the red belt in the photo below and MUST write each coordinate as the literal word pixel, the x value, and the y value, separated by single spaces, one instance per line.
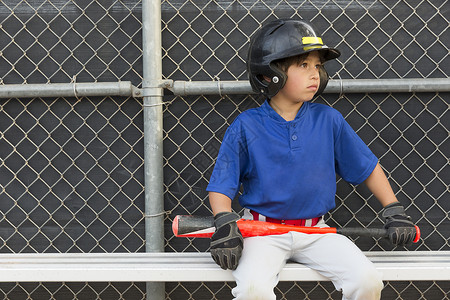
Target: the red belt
pixel 299 222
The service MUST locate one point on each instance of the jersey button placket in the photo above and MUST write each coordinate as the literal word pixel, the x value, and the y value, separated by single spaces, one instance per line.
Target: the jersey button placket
pixel 294 136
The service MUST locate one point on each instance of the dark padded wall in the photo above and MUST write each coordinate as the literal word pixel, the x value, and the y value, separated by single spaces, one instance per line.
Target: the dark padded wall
pixel 71 170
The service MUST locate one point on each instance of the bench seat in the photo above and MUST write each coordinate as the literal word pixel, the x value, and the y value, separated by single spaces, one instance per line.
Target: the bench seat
pixel 189 266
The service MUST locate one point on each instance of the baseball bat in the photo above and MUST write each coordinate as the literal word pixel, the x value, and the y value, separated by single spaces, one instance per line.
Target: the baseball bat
pixel 203 227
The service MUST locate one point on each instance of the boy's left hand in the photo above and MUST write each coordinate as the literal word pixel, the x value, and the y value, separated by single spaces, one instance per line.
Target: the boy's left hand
pixel 401 229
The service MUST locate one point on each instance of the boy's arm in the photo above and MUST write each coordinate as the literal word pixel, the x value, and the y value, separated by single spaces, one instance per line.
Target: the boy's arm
pixel 219 202
pixel 401 230
pixel 378 184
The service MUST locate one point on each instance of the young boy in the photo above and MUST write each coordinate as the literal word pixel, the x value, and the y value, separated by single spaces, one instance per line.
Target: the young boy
pixel 286 154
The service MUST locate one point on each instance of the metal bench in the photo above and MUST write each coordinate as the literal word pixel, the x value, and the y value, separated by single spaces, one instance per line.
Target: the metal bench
pixel 179 267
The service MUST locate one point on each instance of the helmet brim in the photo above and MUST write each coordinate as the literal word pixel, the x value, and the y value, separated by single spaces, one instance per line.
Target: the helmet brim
pixel 329 53
pixel 326 53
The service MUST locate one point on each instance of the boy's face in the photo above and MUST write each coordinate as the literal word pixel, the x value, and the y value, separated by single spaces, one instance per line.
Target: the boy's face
pixel 302 80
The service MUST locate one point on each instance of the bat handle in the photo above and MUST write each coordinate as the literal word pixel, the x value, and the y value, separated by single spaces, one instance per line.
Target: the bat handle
pixel 358 231
pixel 371 232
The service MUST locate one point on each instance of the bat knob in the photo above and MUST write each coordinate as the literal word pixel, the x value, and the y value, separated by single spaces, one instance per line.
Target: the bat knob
pixel 417 234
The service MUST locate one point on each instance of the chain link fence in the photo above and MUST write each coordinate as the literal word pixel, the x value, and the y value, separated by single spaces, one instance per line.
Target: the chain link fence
pixel 71 170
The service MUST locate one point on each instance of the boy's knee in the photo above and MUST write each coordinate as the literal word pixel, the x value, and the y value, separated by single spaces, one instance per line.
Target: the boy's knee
pixel 366 286
pixel 253 291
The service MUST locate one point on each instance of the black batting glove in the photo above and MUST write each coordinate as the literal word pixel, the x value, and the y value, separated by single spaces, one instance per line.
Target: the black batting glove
pixel 227 241
pixel 401 229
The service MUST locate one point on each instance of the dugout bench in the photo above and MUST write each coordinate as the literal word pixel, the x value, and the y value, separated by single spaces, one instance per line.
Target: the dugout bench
pixel 189 266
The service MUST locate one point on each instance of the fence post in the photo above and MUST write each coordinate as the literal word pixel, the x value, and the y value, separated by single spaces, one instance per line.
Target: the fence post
pixel 153 135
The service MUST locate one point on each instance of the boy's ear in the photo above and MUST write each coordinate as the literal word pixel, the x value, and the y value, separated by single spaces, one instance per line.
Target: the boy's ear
pixel 268 79
pixel 323 75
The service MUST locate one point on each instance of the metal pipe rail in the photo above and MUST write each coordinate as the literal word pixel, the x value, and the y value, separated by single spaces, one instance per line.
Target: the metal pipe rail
pixel 336 86
pixel 189 267
pixel 184 88
pixel 102 89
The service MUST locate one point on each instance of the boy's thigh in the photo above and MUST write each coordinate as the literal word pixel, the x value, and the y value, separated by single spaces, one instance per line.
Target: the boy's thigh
pixel 333 255
pixel 263 258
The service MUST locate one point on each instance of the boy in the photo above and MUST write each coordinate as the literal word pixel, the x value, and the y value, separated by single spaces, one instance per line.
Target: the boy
pixel 286 154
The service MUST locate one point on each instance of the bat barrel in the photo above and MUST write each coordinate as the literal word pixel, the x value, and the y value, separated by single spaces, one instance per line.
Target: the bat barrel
pixel 193 226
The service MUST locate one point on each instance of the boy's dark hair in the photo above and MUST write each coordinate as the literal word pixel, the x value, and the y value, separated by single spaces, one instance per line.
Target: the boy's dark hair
pixel 285 63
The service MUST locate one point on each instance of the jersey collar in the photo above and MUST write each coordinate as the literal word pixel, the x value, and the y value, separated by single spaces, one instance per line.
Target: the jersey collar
pixel 274 115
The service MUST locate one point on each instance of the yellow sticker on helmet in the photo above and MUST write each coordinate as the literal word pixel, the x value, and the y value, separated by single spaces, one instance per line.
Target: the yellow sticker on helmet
pixel 307 40
pixel 312 47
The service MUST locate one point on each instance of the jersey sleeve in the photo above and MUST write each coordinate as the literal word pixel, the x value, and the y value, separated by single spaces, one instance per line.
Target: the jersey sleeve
pixel 354 160
pixel 230 163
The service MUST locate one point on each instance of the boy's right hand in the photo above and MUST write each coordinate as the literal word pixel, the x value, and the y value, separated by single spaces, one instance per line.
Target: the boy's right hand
pixel 227 242
pixel 401 229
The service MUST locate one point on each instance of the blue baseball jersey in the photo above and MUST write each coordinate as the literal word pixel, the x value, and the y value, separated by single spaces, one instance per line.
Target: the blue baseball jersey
pixel 288 168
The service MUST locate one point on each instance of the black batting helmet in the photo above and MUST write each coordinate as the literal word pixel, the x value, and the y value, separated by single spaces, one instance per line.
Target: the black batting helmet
pixel 280 39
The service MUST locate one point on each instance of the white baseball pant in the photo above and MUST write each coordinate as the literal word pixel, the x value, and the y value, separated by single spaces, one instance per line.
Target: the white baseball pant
pixel 332 255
